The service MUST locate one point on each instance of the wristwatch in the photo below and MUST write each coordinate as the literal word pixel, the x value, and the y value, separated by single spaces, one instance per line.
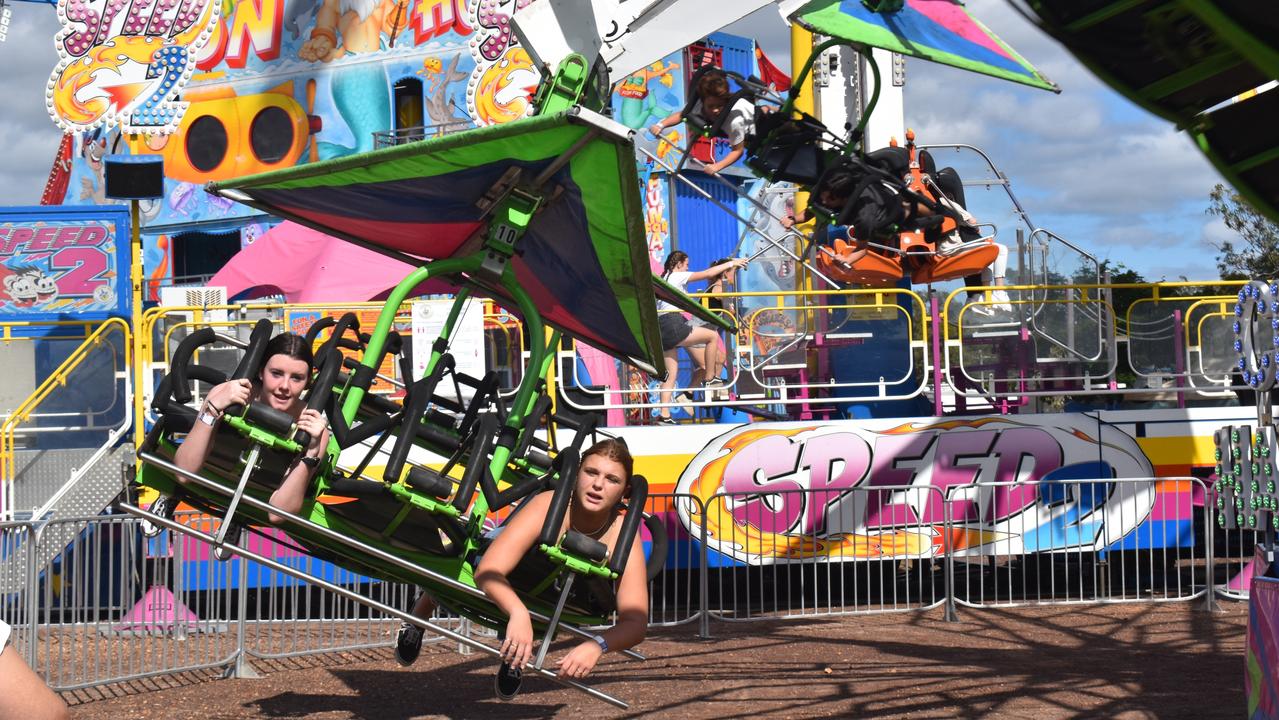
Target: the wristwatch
pixel 599 640
pixel 207 418
pixel 310 462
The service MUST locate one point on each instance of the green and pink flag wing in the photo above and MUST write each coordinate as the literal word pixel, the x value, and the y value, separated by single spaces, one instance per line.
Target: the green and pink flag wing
pixel 583 259
pixel 941 31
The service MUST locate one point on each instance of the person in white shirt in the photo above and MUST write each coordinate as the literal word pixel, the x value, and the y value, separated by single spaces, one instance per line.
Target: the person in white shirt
pixel 701 342
pixel 713 90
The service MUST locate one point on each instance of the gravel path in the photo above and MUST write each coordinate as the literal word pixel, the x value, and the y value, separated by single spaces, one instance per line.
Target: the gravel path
pixel 1130 661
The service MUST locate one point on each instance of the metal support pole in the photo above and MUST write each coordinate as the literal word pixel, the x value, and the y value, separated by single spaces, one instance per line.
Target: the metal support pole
pixel 703 581
pixel 179 586
pixel 1178 352
pixel 135 312
pixel 549 636
pixel 241 669
pixel 33 546
pixel 948 572
pixel 935 314
pixel 1210 551
pixel 250 465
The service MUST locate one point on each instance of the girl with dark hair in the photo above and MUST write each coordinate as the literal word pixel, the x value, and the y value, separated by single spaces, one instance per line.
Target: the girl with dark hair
pixel 701 342
pixel 603 481
pixel 715 94
pixel 278 383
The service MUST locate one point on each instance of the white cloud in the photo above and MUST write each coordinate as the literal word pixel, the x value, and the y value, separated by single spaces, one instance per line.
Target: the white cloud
pixel 27 134
pixel 1085 163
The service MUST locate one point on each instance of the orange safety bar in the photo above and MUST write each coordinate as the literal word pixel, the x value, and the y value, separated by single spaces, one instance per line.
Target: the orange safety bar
pixel 873 269
pixel 967 261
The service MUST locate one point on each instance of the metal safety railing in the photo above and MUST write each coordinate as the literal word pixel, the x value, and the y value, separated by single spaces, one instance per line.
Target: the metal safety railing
pixel 87 397
pixel 804 553
pixel 115 606
pixel 1086 541
pixel 800 354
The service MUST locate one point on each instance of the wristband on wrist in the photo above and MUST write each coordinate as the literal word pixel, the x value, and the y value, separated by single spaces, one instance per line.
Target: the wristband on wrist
pixel 599 640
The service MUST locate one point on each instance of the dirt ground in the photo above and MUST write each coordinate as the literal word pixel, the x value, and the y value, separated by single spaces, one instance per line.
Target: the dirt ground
pixel 1126 661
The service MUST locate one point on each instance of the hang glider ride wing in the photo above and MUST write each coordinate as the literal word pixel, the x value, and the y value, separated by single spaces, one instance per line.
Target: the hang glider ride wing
pixel 941 31
pixel 583 258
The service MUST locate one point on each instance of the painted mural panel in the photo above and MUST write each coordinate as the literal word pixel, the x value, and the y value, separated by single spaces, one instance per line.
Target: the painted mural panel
pixel 644 97
pixel 59 264
pixel 793 492
pixel 276 83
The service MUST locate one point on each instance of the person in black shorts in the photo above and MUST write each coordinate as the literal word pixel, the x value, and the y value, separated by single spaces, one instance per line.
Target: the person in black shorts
pixel 701 341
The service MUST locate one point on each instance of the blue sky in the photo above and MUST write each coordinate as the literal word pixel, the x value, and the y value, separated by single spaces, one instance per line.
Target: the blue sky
pixel 1086 164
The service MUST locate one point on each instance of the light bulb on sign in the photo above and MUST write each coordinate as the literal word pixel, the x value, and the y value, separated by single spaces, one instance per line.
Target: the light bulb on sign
pixel 5 14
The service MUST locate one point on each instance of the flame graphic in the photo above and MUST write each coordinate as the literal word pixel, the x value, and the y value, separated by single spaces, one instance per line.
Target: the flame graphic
pixel 108 57
pixel 502 92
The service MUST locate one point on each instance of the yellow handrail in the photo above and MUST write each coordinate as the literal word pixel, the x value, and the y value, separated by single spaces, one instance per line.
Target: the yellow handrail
pixel 57 378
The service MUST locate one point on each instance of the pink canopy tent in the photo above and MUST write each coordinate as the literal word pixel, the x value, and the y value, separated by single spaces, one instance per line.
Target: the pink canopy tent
pixel 307 266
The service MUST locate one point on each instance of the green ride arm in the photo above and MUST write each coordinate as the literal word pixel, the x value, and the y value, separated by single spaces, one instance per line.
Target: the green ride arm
pixel 377 340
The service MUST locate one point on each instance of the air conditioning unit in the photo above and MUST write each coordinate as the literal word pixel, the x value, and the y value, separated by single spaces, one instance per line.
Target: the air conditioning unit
pixel 220 356
pixel 196 296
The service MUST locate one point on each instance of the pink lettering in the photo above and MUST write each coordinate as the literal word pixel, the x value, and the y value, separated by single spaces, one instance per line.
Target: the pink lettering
pixel 768 465
pixel 890 450
pixel 84 267
pixel 19 238
pixel 1013 447
pixel 67 236
pixel 821 456
pixel 92 235
pixel 947 471
pixel 42 239
pixel 139 15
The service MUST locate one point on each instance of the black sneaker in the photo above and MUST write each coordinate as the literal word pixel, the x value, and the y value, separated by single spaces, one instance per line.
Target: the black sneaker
pixel 408 644
pixel 666 420
pixel 222 552
pixel 508 681
pixel 164 507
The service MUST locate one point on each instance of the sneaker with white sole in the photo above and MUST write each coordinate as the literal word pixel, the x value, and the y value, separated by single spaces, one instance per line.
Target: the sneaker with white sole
pixel 164 507
pixel 979 308
pixel 1003 303
pixel 408 644
pixel 222 552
